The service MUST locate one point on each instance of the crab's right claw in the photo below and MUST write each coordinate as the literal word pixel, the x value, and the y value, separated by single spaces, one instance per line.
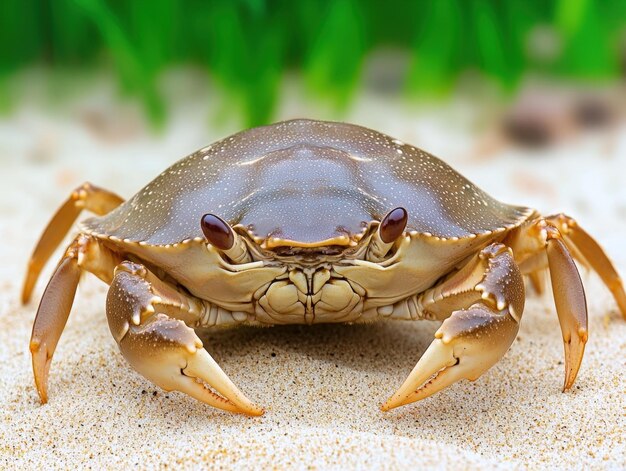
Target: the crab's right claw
pixel 466 345
pixel 168 353
pixel 164 349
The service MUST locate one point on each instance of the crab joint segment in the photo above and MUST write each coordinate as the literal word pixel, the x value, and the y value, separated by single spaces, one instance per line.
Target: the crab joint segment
pixel 146 318
pixel 590 253
pixel 472 339
pixel 51 318
pixel 86 196
pixel 553 243
pixel 84 253
pixel 571 305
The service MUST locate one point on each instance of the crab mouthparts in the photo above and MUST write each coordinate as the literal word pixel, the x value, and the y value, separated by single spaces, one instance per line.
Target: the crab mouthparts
pixel 342 241
pixel 309 252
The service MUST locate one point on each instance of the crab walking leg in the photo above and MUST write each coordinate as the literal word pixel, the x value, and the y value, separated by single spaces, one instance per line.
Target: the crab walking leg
pixel 537 279
pixel 578 239
pixel 86 196
pixel 542 245
pixel 84 253
pixel 148 319
pixel 482 305
pixel 571 306
pixel 52 315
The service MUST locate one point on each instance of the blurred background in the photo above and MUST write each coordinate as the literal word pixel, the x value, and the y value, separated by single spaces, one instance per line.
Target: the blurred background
pixel 526 97
pixel 244 53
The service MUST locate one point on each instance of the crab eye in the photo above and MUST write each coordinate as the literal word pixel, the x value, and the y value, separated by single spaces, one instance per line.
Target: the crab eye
pixel 393 224
pixel 217 232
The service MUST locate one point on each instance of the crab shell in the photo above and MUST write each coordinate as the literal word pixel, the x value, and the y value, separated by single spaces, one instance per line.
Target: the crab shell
pixel 303 188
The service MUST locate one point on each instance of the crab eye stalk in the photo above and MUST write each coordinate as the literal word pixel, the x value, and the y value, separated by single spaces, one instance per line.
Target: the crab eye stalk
pixel 390 229
pixel 393 225
pixel 217 232
pixel 221 236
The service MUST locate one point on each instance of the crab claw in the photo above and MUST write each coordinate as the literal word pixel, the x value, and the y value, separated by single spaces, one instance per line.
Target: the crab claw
pixel 164 349
pixel 466 345
pixel 168 353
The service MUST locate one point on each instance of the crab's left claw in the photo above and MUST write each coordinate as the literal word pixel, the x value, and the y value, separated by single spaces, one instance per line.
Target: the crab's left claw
pixel 482 305
pixel 466 345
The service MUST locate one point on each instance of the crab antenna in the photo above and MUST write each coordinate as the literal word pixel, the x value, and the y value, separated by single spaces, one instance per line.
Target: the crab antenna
pixel 221 236
pixel 391 227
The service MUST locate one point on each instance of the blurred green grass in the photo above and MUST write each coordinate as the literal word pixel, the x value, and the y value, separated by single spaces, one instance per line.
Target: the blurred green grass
pixel 248 45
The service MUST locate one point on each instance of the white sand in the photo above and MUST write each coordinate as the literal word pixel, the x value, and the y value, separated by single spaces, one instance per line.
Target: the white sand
pixel 321 385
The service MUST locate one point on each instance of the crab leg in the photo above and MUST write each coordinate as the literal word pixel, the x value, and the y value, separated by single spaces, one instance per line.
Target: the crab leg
pixel 542 245
pixel 578 240
pixel 52 315
pixel 571 305
pixel 84 253
pixel 482 305
pixel 148 319
pixel 561 239
pixel 86 196
pixel 537 279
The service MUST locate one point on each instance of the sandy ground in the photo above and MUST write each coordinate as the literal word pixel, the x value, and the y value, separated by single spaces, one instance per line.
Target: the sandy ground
pixel 321 385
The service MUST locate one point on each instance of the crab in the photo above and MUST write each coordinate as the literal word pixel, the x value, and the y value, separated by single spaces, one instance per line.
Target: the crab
pixel 305 222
